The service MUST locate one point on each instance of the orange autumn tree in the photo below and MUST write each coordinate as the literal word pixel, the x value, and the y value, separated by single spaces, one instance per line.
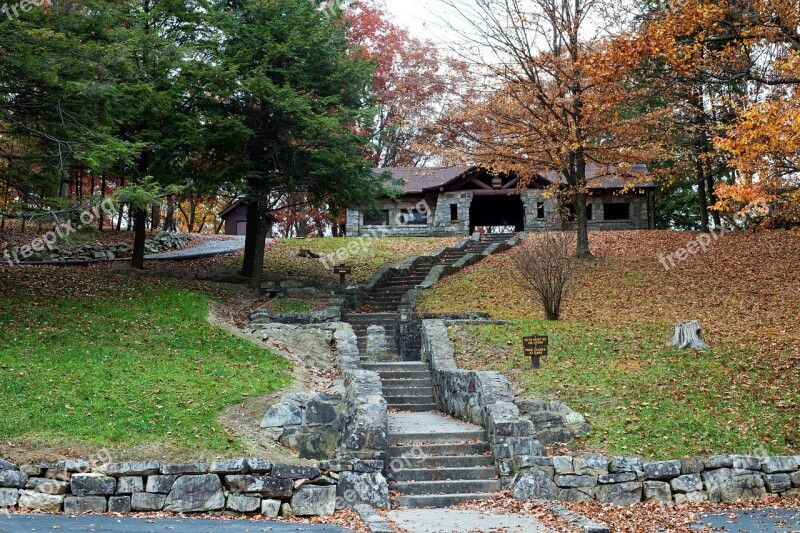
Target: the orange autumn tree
pixel 756 45
pixel 543 103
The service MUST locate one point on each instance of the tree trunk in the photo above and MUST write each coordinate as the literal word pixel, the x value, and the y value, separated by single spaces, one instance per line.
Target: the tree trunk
pixel 582 243
pixel 261 237
pixel 169 220
pixel 155 217
pixel 712 200
pixel 702 200
pixel 102 216
pixel 140 221
pixel 251 232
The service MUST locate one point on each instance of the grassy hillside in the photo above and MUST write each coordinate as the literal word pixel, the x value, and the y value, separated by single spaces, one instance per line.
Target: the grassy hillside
pixel 608 355
pixel 92 359
pixel 366 256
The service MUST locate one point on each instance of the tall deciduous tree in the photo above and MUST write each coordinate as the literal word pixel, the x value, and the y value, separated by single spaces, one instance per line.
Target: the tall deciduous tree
pixel 409 84
pixel 752 48
pixel 543 107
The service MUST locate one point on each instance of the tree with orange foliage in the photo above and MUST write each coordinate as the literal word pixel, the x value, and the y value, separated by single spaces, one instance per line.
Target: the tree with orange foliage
pixel 754 45
pixel 544 104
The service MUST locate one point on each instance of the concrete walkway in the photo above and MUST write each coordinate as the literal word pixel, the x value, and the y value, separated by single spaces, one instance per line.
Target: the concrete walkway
pixel 17 523
pixel 453 521
pixel 428 422
pixel 207 248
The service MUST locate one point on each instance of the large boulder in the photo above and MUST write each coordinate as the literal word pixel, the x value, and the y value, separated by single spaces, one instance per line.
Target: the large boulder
pixel 619 493
pixel 284 414
pixel 535 484
pixel 657 491
pixel 147 501
pixel 12 479
pixel 687 483
pixel 92 485
pixel 8 498
pixel 662 470
pixel 230 466
pixel 312 500
pixel 282 471
pixel 192 494
pixel 354 489
pixel 85 504
pixel 130 468
pixel 377 348
pixel 266 486
pixel 39 501
pixel 730 485
pixel 243 503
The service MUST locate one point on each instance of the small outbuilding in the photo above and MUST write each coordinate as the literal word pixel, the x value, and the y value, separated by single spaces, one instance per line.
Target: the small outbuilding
pixel 235 218
pixel 457 200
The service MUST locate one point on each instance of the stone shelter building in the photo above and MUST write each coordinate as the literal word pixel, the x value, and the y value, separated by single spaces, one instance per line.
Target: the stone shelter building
pixel 458 199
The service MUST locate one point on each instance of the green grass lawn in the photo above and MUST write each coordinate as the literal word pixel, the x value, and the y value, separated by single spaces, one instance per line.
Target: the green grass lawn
pixel 97 359
pixel 365 256
pixel 608 355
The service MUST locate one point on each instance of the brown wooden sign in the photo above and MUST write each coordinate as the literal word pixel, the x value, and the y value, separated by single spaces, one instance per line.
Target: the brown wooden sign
pixel 343 271
pixel 535 347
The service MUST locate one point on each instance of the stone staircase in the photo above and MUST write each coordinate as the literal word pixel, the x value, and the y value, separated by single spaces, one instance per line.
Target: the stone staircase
pixel 361 323
pixel 406 386
pixel 436 461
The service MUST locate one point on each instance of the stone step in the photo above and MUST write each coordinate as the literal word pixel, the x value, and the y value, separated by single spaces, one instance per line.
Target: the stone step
pixel 444 461
pixel 439 500
pixel 404 374
pixel 414 408
pixel 386 289
pixel 439 449
pixel 408 400
pixel 414 366
pixel 486 473
pixel 408 391
pixel 371 318
pixel 450 437
pixel 411 488
pixel 399 383
pixel 362 334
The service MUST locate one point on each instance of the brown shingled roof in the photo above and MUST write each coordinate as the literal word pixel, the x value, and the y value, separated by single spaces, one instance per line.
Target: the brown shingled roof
pixel 417 180
pixel 420 179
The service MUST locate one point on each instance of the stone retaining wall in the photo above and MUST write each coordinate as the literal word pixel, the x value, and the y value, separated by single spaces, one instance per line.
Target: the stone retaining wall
pixel 350 427
pixel 624 481
pixel 482 398
pixel 163 242
pixel 246 485
pixel 486 399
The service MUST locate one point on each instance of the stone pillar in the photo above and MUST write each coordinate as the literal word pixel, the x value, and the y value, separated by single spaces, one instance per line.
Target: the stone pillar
pixel 377 348
pixel 353 223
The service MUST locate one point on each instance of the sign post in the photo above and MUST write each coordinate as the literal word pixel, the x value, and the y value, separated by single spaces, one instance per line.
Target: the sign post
pixel 535 347
pixel 343 271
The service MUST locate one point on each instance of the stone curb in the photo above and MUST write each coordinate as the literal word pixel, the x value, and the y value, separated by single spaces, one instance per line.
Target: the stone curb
pixel 578 520
pixel 375 523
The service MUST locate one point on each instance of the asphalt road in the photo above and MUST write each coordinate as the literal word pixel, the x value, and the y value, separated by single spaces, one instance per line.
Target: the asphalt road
pixel 766 520
pixel 17 523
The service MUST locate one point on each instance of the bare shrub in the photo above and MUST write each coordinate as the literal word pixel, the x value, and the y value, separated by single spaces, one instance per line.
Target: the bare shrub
pixel 546 263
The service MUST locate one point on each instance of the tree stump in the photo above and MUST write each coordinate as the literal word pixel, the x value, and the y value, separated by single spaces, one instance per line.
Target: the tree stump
pixel 689 335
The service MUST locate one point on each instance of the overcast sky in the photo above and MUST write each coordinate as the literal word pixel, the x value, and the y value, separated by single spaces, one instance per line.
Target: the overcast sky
pixel 421 17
